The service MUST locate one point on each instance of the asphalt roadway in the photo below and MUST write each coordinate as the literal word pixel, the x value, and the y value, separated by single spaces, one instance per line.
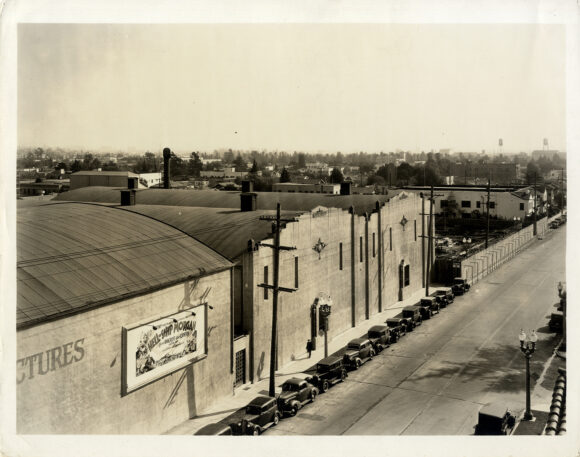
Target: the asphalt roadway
pixel 436 378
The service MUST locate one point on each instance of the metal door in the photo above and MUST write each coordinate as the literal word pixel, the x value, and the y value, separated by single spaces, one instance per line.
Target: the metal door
pixel 240 367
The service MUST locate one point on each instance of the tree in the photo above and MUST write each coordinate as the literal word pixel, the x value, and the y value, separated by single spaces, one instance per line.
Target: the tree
pixel 284 176
pixel 254 168
pixel 336 176
pixel 194 165
pixel 239 163
pixel 532 173
pixel 404 173
pixel 76 166
pixel 301 160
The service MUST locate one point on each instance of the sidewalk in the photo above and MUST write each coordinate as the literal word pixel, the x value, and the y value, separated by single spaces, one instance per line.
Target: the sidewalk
pixel 225 406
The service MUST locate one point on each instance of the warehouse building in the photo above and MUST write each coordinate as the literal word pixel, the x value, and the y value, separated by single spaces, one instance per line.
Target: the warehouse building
pixel 358 253
pixel 124 323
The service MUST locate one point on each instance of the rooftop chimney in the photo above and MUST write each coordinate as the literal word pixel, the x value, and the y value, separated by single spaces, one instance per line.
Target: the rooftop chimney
pixel 249 201
pixel 247 186
pixel 128 197
pixel 166 159
pixel 345 188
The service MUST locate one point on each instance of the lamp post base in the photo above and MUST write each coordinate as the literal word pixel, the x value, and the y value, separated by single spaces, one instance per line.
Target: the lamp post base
pixel 528 416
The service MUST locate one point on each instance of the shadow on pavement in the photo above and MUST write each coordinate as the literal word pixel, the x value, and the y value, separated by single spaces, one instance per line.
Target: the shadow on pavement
pixel 501 368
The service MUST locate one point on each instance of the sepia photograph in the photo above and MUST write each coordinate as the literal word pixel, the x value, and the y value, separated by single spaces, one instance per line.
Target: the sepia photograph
pixel 339 228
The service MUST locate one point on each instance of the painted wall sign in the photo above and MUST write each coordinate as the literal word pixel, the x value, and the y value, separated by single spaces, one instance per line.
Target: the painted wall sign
pixel 50 360
pixel 160 347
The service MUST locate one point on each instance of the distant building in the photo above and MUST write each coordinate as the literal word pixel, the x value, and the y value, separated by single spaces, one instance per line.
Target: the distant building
pixel 503 174
pixel 226 173
pixel 125 179
pixel 333 189
pixel 470 201
pixel 147 180
pixel 26 188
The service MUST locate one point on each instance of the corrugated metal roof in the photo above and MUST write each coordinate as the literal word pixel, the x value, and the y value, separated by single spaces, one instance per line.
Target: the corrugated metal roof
pixel 223 229
pixel 221 199
pixel 72 257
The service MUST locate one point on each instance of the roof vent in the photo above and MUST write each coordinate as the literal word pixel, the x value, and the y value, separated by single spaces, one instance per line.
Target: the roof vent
pixel 128 197
pixel 247 186
pixel 249 201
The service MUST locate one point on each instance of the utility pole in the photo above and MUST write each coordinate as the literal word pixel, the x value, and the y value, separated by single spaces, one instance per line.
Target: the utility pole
pixel 423 237
pixel 535 202
pixel 275 288
pixel 487 228
pixel 430 243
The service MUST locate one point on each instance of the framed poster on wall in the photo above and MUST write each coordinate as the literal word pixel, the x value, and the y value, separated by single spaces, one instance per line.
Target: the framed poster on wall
pixel 155 349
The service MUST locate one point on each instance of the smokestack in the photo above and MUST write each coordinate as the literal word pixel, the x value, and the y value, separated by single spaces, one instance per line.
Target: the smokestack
pixel 166 159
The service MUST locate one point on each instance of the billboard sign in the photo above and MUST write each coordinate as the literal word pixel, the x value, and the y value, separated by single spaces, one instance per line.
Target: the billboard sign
pixel 162 346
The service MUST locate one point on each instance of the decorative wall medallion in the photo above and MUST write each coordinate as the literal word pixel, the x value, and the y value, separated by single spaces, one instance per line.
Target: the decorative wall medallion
pixel 404 222
pixel 319 246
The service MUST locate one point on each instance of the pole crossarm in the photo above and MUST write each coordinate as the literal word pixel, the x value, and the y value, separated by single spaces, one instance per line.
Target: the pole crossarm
pixel 273 218
pixel 280 288
pixel 282 248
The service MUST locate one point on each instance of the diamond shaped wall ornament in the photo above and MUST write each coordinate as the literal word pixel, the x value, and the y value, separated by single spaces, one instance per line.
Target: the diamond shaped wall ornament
pixel 319 246
pixel 404 222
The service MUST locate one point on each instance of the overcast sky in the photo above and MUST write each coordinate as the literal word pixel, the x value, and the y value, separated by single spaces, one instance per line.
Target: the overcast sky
pixel 309 87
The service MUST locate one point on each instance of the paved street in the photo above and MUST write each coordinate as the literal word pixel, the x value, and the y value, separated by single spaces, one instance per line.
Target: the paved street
pixel 435 379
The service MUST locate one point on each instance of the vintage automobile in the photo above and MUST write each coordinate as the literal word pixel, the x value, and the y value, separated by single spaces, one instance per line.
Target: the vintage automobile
pixel 215 429
pixel 295 394
pixel 398 326
pixel 553 225
pixel 430 305
pixel 258 415
pixel 329 371
pixel 460 286
pixel 358 351
pixel 447 292
pixel 556 322
pixel 381 337
pixel 413 315
pixel 495 419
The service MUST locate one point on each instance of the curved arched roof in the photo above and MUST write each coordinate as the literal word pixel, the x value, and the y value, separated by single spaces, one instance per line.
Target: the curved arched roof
pixel 224 199
pixel 73 256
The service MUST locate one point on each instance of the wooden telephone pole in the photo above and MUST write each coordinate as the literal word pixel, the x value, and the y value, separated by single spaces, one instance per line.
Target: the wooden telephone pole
pixel 429 237
pixel 487 227
pixel 275 288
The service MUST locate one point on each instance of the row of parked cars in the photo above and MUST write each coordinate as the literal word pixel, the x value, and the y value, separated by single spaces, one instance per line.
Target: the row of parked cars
pixel 265 412
pixel 557 222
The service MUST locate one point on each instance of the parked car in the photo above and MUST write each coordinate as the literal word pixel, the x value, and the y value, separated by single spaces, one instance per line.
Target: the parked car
pixel 215 429
pixel 413 315
pixel 258 415
pixel 554 225
pixel 381 337
pixel 431 305
pixel 398 326
pixel 329 371
pixel 495 419
pixel 556 322
pixel 295 394
pixel 460 286
pixel 358 351
pixel 447 293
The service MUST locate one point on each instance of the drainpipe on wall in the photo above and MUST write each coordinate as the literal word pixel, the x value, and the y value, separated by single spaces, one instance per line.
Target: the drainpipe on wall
pixel 367 291
pixel 380 247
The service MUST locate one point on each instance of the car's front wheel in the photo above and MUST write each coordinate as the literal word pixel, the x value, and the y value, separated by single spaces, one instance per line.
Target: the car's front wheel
pixel 325 386
pixel 312 395
pixel 357 364
pixel 276 419
pixel 257 430
pixel 294 410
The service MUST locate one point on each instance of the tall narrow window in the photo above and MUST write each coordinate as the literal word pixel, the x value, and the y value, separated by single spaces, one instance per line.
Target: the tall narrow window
pixel 340 255
pixel 361 249
pixel 407 275
pixel 415 229
pixel 390 238
pixel 265 282
pixel 296 272
pixel 374 252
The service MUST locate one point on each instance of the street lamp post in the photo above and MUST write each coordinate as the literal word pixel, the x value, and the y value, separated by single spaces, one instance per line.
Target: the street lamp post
pixel 528 346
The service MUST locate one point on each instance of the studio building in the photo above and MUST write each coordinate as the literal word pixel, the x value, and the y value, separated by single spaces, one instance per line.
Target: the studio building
pixel 124 324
